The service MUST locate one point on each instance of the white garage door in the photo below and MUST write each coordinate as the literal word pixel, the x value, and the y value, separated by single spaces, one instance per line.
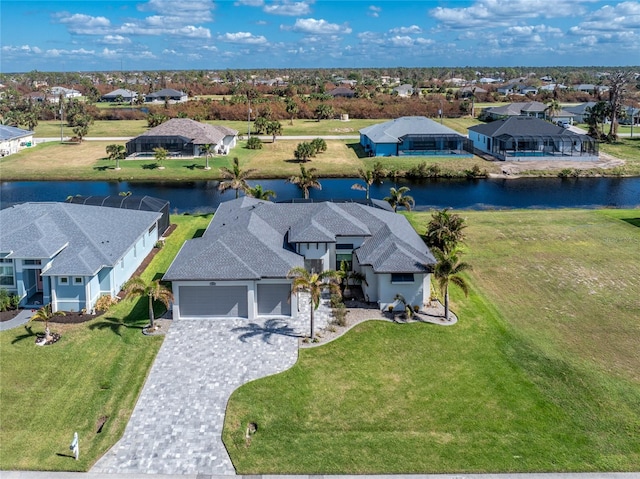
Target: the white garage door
pixel 210 301
pixel 273 299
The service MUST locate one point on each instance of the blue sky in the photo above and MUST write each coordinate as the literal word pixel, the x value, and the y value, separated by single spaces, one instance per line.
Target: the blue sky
pixel 219 34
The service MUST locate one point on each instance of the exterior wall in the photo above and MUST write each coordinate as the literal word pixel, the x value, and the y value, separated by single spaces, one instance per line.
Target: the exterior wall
pixel 128 264
pixel 479 141
pixel 414 293
pixel 229 142
pixel 356 241
pixel 370 289
pixel 68 297
pixel 316 251
pixel 14 145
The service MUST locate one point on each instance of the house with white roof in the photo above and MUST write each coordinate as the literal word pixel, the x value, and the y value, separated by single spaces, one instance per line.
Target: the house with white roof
pixel 413 135
pixel 70 255
pixel 239 267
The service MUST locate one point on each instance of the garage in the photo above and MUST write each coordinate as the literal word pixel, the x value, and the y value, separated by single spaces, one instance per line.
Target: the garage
pixel 274 299
pixel 212 301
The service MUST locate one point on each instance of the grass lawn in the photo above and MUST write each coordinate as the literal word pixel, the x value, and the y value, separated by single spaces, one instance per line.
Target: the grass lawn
pixel 87 161
pixel 540 374
pixel 97 369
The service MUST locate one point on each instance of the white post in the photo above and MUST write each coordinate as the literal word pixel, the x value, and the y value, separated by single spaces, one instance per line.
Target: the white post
pixel 75 447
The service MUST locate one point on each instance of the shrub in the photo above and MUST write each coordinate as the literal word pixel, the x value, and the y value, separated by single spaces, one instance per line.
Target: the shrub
pixel 159 244
pixel 254 143
pixel 8 301
pixel 105 302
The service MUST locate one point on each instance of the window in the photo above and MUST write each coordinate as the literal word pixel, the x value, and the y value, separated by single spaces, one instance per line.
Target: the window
pixel 344 252
pixel 6 272
pixel 63 280
pixel 77 280
pixel 32 262
pixel 402 277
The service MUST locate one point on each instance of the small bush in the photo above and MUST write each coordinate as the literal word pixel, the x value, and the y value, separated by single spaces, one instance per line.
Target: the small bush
pixel 340 315
pixel 105 302
pixel 159 244
pixel 8 301
pixel 254 143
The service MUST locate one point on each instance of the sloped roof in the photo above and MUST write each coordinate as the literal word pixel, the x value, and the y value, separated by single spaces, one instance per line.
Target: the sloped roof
pixel 580 109
pixel 166 92
pixel 11 132
pixel 252 239
pixel 516 108
pixel 521 126
pixel 393 131
pixel 82 238
pixel 198 133
pixel 120 92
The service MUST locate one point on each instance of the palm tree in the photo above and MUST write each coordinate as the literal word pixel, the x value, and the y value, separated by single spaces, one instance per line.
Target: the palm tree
pixel 207 150
pixel 234 178
pixel 447 271
pixel 116 153
pixel 160 154
pixel 324 111
pixel 304 151
pixel 45 314
pixel 445 230
pixel 292 109
pixel 397 198
pixel 259 194
pixel 305 180
pixel 349 277
pixel 274 128
pixel 368 178
pixel 553 107
pixel 313 284
pixel 154 290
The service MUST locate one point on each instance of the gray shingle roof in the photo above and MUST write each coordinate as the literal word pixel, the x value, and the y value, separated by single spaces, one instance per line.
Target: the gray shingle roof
pixel 252 239
pixel 521 126
pixel 393 131
pixel 165 92
pixel 11 132
pixel 198 133
pixel 87 238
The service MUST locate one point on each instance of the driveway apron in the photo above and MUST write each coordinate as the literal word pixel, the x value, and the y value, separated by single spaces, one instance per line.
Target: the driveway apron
pixel 176 426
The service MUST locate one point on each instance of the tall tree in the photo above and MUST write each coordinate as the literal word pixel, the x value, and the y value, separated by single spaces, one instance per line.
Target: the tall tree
pixel 235 178
pixel 207 149
pixel 368 179
pixel 553 108
pixel 447 271
pixel 259 194
pixel 617 89
pixel 116 153
pixel 274 128
pixel 292 109
pixel 305 180
pixel 313 284
pixel 46 314
pixel 155 291
pixel 397 197
pixel 445 230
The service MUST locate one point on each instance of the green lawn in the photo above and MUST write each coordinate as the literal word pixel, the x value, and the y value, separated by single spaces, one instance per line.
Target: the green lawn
pixel 97 369
pixel 540 374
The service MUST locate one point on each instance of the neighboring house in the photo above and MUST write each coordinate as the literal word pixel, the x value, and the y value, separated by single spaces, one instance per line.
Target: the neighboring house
pixel 120 94
pixel 552 87
pixel 183 137
pixel 167 94
pixel 65 92
pixel 13 139
pixel 533 109
pixel 487 80
pixel 526 138
pixel 579 112
pixel 591 88
pixel 70 255
pixel 342 92
pixel 405 90
pixel 469 91
pixel 140 203
pixel 631 116
pixel 413 135
pixel 239 267
pixel 42 96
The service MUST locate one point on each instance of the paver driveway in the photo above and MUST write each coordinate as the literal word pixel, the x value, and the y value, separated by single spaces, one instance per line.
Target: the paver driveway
pixel 176 426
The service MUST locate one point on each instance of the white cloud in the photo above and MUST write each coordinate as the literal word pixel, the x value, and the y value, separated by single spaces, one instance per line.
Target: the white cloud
pixel 249 3
pixel 292 9
pixel 374 11
pixel 181 11
pixel 489 13
pixel 243 37
pixel 319 27
pixel 81 24
pixel 22 49
pixel 412 30
pixel 115 40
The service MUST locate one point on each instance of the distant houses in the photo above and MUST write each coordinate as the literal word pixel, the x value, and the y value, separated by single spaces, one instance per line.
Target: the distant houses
pixel 167 95
pixel 413 135
pixel 533 109
pixel 183 137
pixel 121 94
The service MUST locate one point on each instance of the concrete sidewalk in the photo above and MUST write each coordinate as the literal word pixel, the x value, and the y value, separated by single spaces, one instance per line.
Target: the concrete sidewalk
pixel 79 475
pixel 23 317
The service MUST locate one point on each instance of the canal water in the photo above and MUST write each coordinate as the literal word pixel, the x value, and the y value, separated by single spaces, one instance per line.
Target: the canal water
pixel 203 196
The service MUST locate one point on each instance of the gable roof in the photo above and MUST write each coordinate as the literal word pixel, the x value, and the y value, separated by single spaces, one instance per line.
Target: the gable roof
pixel 520 126
pixel 82 238
pixel 198 133
pixel 120 92
pixel 253 239
pixel 393 131
pixel 11 132
pixel 165 92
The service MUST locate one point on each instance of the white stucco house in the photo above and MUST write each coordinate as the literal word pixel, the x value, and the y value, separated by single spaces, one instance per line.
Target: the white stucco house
pixel 238 268
pixel 70 254
pixel 13 139
pixel 184 137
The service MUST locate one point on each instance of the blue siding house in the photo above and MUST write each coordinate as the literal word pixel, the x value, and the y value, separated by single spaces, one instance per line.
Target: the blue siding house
pixel 68 254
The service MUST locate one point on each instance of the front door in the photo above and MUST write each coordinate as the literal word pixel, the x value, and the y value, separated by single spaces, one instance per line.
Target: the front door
pixel 38 280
